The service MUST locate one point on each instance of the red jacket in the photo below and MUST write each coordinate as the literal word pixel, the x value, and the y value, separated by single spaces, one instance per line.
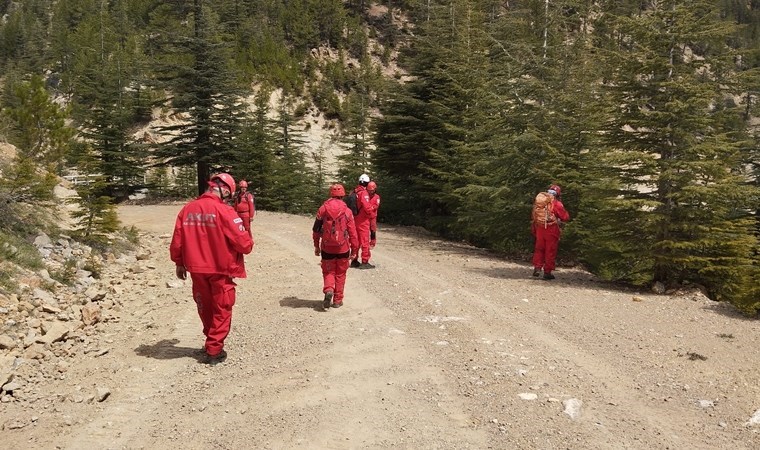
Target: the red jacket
pixel 335 205
pixel 559 210
pixel 209 237
pixel 366 209
pixel 374 201
pixel 244 204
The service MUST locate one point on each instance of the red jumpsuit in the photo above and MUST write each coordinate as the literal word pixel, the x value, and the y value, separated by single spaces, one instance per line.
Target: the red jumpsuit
pixel 210 241
pixel 363 220
pixel 246 209
pixel 335 259
pixel 374 200
pixel 547 239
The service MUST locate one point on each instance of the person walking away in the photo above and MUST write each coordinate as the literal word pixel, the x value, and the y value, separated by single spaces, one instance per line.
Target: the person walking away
pixel 362 217
pixel 335 240
pixel 209 242
pixel 374 201
pixel 245 206
pixel 548 215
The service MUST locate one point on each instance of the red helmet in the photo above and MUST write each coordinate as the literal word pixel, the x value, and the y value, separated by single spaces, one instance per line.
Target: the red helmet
pixel 556 189
pixel 372 186
pixel 337 190
pixel 243 184
pixel 226 179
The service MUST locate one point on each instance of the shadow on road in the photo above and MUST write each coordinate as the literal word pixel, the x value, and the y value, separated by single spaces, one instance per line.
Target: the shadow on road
pixel 509 273
pixel 168 349
pixel 565 277
pixel 295 302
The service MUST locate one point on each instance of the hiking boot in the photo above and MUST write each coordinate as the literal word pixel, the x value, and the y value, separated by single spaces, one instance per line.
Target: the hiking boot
pixel 548 276
pixel 337 304
pixel 536 272
pixel 355 263
pixel 367 265
pixel 328 299
pixel 213 360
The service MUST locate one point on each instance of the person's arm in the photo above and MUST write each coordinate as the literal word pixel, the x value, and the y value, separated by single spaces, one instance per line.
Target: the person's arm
pixel 251 205
pixel 365 205
pixel 373 221
pixel 353 237
pixel 235 232
pixel 560 211
pixel 316 232
pixel 175 248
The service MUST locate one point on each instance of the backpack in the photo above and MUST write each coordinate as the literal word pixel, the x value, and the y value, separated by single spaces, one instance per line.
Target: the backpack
pixel 543 210
pixel 334 225
pixel 352 200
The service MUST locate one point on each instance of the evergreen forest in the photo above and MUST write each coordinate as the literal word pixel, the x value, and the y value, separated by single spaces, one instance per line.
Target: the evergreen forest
pixel 644 112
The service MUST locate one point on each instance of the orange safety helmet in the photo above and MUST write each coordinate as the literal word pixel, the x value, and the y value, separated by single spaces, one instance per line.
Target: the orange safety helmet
pixel 243 184
pixel 337 190
pixel 372 186
pixel 556 189
pixel 225 179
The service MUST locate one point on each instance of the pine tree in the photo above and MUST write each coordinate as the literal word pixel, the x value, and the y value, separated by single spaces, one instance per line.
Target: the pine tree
pixel 539 110
pixel 157 182
pixel 254 154
pixel 204 90
pixel 356 138
pixel 292 181
pixel 427 135
pixel 185 182
pixel 96 216
pixel 39 132
pixel 673 203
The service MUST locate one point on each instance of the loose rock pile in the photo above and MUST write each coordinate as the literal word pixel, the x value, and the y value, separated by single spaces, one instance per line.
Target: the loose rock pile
pixel 48 323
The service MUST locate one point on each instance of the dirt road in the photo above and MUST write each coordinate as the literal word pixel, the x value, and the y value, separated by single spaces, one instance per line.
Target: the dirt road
pixel 441 346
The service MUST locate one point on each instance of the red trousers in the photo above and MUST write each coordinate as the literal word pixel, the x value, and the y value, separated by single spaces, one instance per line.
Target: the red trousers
pixel 362 229
pixel 545 251
pixel 334 277
pixel 246 222
pixel 214 295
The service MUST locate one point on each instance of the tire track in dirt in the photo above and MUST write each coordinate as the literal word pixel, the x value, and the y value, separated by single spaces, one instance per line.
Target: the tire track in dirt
pixel 616 410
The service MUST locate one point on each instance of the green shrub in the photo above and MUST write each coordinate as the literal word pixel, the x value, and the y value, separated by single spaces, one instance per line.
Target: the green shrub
pixel 93 265
pixel 67 274
pixel 7 283
pixel 18 251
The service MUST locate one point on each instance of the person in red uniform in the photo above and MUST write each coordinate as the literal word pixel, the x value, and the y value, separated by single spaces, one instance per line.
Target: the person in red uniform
pixel 363 220
pixel 547 235
pixel 335 240
pixel 245 206
pixel 374 201
pixel 209 241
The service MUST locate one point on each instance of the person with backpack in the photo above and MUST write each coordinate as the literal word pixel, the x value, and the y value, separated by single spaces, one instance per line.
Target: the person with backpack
pixel 374 201
pixel 362 209
pixel 209 242
pixel 335 240
pixel 245 205
pixel 547 217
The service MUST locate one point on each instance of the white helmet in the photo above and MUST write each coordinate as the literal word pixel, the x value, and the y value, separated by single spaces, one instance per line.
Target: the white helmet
pixel 364 178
